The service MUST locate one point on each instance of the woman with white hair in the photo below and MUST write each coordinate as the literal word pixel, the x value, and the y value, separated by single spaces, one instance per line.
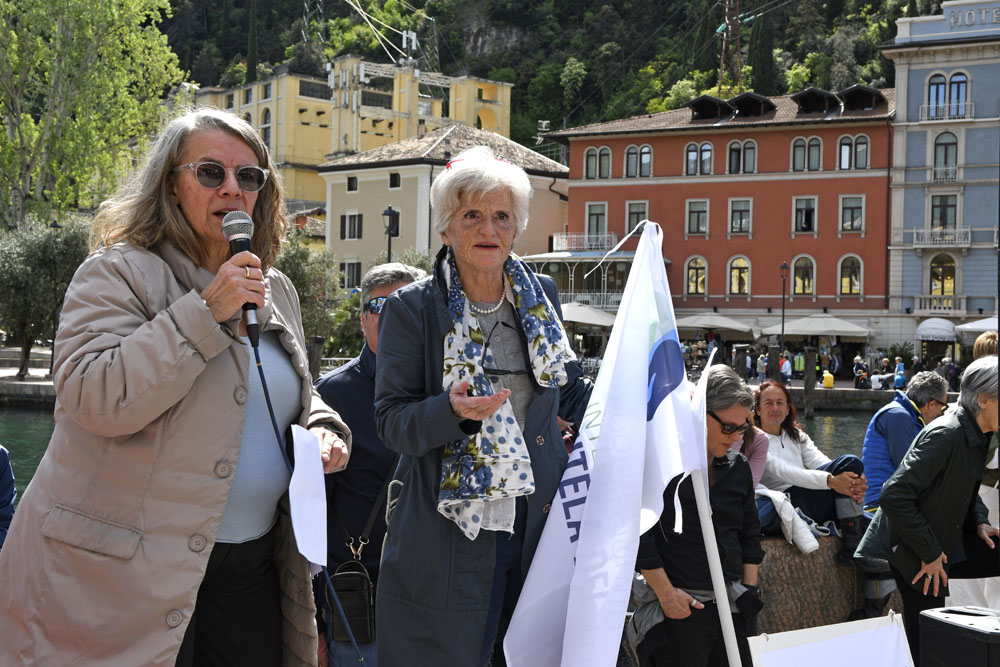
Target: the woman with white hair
pixel 931 524
pixel 467 389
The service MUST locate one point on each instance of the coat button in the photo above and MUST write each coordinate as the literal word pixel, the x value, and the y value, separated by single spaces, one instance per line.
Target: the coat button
pixel 240 395
pixel 539 440
pixel 223 469
pixel 197 542
pixel 546 507
pixel 174 618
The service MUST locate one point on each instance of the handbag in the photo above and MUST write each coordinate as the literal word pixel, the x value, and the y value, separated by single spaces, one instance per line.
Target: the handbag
pixel 352 583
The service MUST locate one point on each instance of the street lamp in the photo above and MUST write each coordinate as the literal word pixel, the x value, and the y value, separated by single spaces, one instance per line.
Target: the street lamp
pixel 784 278
pixel 390 217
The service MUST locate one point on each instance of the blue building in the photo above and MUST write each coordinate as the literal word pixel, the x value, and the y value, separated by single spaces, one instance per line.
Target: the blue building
pixel 945 179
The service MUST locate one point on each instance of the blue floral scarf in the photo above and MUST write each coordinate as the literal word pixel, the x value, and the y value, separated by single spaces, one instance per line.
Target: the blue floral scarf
pixel 481 476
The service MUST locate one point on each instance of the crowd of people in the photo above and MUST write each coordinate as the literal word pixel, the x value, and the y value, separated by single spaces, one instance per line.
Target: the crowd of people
pixel 166 480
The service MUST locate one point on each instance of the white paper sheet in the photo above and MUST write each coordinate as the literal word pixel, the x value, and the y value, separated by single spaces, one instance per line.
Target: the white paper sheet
pixel 307 494
pixel 873 642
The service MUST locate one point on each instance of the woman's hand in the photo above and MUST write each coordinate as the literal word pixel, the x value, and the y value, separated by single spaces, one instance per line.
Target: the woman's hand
pixel 933 573
pixel 677 604
pixel 238 281
pixel 477 408
pixel 849 484
pixel 332 449
pixel 987 532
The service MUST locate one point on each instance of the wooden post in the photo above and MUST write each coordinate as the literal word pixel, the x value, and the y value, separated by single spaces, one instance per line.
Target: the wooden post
pixel 809 382
pixel 774 363
pixel 740 363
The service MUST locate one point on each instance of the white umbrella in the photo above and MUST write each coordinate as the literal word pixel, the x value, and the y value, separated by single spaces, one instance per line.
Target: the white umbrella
pixel 935 328
pixel 584 314
pixel 979 326
pixel 818 325
pixel 712 321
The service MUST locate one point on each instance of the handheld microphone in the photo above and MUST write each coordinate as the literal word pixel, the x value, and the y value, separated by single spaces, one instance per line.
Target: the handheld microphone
pixel 237 227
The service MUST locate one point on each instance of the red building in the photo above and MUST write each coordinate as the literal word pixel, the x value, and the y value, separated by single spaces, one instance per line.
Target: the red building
pixel 739 187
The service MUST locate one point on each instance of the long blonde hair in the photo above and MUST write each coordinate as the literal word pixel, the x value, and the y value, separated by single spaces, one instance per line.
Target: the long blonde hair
pixel 143 214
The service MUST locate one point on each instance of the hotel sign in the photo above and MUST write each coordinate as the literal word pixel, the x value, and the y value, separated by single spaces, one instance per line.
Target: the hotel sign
pixel 983 16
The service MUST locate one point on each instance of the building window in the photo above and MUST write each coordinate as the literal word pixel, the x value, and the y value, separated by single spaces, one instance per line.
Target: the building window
pixel 735 157
pixel 942 276
pixel 350 226
pixel 248 96
pixel 742 157
pixel 861 153
pixel 799 155
pixel 802 277
pixel 691 160
pixel 936 97
pixel 265 91
pixel 943 211
pixel 946 158
pixel 850 276
pixel 631 162
pixel 739 277
pixel 805 215
pixel 846 153
pixel 705 163
pixel 265 127
pixel 958 89
pixel 352 183
pixel 852 214
pixel 394 180
pixel 637 211
pixel 696 276
pixel 645 162
pixel 697 217
pixel 597 219
pixel 739 216
pixel 590 163
pixel 815 154
pixel 749 157
pixel 350 274
pixel 229 101
pixel 604 163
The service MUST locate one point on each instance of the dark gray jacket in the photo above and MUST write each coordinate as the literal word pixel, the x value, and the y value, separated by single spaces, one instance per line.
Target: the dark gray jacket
pixel 434 583
pixel 932 497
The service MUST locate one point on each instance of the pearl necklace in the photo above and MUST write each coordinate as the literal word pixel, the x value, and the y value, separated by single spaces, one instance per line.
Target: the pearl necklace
pixel 487 311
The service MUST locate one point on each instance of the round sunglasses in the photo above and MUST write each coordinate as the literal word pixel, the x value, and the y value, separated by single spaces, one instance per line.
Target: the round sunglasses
pixel 212 174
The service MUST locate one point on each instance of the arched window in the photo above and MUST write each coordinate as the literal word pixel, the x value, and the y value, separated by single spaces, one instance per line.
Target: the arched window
pixel 846 153
pixel 942 276
pixel 802 277
pixel 739 277
pixel 265 128
pixel 604 163
pixel 850 276
pixel 749 157
pixel 935 97
pixel 645 161
pixel 631 162
pixel 946 157
pixel 696 276
pixel 958 89
pixel 705 164
pixel 799 155
pixel 590 163
pixel 691 159
pixel 815 154
pixel 861 153
pixel 735 157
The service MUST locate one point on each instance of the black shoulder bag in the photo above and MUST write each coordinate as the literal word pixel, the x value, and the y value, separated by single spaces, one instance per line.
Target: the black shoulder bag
pixel 352 583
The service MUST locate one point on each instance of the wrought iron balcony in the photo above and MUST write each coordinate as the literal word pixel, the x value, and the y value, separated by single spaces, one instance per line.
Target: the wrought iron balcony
pixel 944 237
pixel 947 111
pixel 604 300
pixel 583 241
pixel 945 174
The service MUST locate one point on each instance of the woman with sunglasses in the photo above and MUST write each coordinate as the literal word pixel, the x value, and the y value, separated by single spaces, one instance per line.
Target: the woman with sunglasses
pixel 474 370
pixel 823 489
pixel 674 564
pixel 156 530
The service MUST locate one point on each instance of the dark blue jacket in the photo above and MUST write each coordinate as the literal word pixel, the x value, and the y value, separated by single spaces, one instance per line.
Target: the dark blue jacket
pixel 889 435
pixel 8 494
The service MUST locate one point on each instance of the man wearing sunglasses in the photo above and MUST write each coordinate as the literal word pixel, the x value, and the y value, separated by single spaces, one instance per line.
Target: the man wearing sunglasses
pixel 352 493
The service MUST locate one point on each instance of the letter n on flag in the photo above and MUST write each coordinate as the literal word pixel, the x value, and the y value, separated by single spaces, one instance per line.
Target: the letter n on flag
pixel 638 434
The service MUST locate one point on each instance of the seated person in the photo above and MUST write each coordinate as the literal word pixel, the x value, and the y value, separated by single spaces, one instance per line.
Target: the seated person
pixel 821 488
pixel 8 494
pixel 894 426
pixel 753 446
pixel 675 565
pixel 861 379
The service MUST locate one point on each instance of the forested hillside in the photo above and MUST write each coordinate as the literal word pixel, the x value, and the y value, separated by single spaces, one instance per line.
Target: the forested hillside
pixel 572 61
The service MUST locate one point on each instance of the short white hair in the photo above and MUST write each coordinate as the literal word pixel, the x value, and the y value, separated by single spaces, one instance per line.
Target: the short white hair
pixel 477 171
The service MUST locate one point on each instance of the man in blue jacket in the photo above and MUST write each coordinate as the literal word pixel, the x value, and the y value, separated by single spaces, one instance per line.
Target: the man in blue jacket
pixel 894 427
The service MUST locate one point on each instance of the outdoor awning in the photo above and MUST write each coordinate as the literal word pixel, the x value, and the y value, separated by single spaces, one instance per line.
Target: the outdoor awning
pixel 979 326
pixel 584 314
pixel 818 325
pixel 712 321
pixel 935 328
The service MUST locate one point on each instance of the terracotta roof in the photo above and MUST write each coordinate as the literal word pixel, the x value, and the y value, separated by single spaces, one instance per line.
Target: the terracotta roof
pixel 439 146
pixel 786 112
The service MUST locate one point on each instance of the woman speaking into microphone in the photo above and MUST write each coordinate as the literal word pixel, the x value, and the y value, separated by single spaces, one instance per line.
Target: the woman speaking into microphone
pixel 156 530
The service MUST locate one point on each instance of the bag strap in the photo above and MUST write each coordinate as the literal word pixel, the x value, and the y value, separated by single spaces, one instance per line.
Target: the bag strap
pixel 370 523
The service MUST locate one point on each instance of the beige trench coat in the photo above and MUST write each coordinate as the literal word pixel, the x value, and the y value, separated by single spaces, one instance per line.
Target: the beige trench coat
pixel 110 542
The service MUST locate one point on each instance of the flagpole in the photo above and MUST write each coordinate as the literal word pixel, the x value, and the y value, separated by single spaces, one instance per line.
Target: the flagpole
pixel 715 566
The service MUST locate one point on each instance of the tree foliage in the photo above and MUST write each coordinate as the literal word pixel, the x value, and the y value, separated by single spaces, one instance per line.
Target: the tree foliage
pixel 316 279
pixel 80 84
pixel 37 263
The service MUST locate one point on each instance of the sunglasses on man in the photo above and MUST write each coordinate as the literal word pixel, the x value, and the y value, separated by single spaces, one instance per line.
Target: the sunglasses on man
pixel 211 175
pixel 374 306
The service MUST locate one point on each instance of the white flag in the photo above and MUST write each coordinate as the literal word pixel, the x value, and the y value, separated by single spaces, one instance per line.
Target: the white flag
pixel 637 435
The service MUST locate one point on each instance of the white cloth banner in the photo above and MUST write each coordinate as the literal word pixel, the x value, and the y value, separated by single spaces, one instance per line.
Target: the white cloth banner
pixel 638 434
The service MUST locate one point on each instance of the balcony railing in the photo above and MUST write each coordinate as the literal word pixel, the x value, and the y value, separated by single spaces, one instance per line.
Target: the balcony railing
pixel 945 174
pixel 942 238
pixel 604 300
pixel 947 111
pixel 940 304
pixel 584 241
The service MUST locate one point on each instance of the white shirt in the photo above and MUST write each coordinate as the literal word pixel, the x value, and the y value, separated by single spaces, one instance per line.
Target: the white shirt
pixel 791 463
